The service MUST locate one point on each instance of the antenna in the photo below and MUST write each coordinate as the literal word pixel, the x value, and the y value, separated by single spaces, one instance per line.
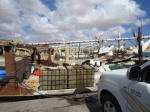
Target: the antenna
pixel 131 20
pixel 134 33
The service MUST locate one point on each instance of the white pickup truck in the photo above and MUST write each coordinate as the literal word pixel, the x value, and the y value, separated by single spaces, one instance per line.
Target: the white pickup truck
pixel 125 90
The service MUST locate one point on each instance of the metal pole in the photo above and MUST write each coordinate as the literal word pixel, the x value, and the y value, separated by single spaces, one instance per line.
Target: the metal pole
pixel 98 48
pixel 141 25
pixel 118 43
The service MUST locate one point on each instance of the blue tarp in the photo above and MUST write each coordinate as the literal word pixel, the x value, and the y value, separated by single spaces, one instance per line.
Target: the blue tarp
pixel 2 73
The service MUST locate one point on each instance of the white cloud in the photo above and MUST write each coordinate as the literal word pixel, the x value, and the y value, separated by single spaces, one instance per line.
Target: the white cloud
pixel 72 19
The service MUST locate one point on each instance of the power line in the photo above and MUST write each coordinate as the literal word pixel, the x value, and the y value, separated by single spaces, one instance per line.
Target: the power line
pixel 108 32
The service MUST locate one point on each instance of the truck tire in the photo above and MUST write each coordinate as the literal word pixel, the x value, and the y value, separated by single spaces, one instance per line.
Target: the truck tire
pixel 110 104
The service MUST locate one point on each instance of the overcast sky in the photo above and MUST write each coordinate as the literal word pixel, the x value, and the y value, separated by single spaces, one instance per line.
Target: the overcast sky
pixel 68 20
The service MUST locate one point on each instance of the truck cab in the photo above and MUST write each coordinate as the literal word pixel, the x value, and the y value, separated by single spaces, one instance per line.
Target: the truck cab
pixel 125 90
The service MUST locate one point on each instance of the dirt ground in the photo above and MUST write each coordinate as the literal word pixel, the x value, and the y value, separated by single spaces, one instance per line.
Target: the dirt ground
pixel 87 102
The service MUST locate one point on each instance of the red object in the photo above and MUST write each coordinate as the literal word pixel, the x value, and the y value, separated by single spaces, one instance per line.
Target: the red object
pixel 36 72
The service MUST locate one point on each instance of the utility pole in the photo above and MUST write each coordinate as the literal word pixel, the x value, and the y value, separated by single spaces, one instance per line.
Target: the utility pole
pixel 98 48
pixel 140 52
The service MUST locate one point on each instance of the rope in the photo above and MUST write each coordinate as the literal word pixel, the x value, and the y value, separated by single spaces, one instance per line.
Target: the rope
pixel 17 82
pixel 6 79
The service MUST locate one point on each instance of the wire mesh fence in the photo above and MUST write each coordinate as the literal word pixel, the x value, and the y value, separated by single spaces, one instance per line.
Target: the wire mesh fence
pixel 70 77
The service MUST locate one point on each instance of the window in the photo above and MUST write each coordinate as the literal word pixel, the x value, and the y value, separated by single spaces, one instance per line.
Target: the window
pixel 146 72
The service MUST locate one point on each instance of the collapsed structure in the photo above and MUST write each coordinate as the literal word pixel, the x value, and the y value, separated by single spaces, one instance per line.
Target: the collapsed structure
pixel 25 75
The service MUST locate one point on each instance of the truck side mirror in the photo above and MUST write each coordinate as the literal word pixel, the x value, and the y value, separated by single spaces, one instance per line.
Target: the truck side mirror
pixel 133 73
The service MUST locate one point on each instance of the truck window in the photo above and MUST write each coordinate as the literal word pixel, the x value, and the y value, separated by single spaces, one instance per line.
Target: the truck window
pixel 147 77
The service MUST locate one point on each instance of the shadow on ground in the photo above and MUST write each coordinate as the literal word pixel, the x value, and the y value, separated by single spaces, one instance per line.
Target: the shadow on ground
pixel 93 104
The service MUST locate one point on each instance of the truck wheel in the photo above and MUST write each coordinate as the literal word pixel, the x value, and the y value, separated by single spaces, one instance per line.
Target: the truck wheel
pixel 110 104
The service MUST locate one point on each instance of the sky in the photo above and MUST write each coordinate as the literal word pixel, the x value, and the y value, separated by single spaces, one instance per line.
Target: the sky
pixel 32 21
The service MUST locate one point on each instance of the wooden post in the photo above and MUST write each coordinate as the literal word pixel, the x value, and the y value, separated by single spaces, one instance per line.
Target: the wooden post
pixel 9 59
pixel 13 69
pixel 140 53
pixel 79 50
pixel 34 52
pixel 66 52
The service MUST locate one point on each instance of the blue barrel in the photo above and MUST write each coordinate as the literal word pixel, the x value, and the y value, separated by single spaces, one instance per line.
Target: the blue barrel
pixel 2 73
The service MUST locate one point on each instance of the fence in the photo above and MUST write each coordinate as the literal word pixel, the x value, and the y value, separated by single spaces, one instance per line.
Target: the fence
pixel 70 77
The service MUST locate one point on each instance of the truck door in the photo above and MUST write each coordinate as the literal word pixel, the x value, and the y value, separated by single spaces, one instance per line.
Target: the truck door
pixel 139 93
